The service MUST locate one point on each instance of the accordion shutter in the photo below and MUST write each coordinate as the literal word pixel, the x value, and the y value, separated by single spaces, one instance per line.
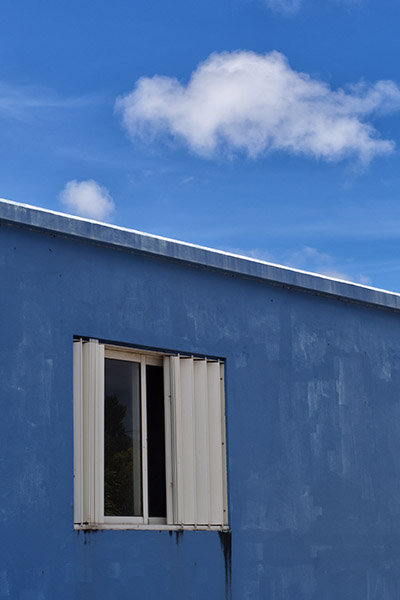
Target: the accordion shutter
pixel 195 433
pixel 88 432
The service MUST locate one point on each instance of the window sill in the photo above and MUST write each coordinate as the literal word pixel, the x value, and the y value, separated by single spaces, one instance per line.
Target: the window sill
pixel 152 527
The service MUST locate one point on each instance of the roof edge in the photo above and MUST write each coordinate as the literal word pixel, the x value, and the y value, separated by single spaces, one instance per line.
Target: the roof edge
pixel 27 216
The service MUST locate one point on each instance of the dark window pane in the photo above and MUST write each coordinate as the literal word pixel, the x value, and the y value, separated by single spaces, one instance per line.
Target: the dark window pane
pixel 122 443
pixel 156 441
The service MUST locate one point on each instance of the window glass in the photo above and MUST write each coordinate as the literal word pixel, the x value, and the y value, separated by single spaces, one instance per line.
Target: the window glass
pixel 122 443
pixel 156 440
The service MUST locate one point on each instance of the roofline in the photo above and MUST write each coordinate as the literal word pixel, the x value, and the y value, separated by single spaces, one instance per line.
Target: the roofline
pixel 32 217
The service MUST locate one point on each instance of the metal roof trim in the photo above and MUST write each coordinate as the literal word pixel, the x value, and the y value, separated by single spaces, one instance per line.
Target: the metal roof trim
pixel 32 217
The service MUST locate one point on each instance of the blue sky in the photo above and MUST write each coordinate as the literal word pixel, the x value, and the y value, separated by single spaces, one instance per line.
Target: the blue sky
pixel 264 127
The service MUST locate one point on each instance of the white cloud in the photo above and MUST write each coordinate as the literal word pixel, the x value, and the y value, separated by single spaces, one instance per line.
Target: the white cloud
pixel 255 253
pixel 306 258
pixel 246 102
pixel 22 102
pixel 311 259
pixel 364 279
pixel 188 179
pixel 87 199
pixel 349 3
pixel 289 7
pixel 286 7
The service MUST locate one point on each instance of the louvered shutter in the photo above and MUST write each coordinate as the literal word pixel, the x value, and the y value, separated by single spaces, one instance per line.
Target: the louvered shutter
pixel 88 432
pixel 195 440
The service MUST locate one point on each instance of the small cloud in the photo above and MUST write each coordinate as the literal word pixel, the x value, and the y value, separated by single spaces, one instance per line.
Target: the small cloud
pixel 87 199
pixel 20 103
pixel 348 2
pixel 255 253
pixel 306 255
pixel 311 259
pixel 364 280
pixel 242 102
pixel 286 7
pixel 188 179
pixel 289 7
pixel 305 258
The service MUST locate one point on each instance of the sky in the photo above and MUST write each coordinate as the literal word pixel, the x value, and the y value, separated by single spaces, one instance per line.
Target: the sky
pixel 269 128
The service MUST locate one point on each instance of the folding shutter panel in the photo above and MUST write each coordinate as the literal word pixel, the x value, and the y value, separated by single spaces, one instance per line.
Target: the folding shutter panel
pixel 195 430
pixel 78 436
pixel 89 431
pixel 202 442
pixel 216 430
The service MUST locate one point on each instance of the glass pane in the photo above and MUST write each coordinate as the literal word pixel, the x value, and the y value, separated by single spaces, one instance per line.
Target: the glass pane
pixel 122 440
pixel 156 440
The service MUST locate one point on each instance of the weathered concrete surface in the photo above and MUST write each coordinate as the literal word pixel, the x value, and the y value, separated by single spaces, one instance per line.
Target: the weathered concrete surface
pixel 313 425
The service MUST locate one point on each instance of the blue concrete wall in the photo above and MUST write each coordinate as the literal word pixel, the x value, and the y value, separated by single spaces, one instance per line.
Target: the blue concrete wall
pixel 313 424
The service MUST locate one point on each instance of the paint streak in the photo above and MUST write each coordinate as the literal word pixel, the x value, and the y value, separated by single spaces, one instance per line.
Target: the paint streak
pixel 225 539
pixel 178 536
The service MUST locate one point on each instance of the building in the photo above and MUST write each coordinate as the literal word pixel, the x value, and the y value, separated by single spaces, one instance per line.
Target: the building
pixel 263 422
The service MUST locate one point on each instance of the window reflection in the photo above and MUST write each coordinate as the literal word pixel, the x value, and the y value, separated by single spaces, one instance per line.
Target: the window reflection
pixel 122 444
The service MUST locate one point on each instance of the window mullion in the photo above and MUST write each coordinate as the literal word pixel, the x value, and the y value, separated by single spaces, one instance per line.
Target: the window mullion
pixel 99 432
pixel 143 395
pixel 170 443
pixel 176 406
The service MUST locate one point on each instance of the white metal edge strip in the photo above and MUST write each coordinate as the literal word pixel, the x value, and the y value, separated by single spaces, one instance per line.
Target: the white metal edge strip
pixel 169 450
pixel 77 421
pixel 87 471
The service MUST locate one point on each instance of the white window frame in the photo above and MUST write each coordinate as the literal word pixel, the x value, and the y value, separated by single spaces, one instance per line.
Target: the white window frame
pixel 195 440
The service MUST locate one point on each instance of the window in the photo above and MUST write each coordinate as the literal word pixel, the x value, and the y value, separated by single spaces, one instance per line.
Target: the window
pixel 149 439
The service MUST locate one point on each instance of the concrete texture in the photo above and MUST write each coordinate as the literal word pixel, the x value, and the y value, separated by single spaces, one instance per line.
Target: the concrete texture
pixel 313 418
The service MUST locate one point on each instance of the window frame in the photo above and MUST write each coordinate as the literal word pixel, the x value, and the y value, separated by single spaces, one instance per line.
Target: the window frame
pixel 94 447
pixel 143 359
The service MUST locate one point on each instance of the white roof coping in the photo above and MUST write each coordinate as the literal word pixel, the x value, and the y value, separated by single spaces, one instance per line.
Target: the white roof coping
pixel 32 217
